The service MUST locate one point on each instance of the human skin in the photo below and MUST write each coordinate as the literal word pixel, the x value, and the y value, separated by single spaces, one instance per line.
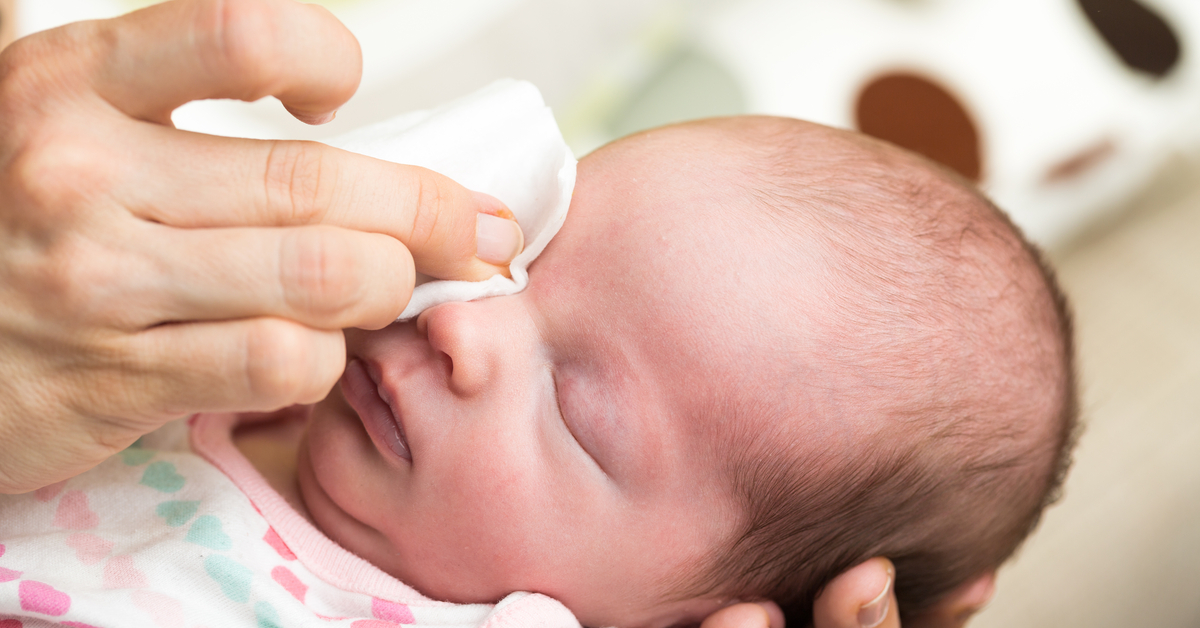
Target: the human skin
pixel 7 22
pixel 579 439
pixel 148 273
pixel 82 98
pixel 563 440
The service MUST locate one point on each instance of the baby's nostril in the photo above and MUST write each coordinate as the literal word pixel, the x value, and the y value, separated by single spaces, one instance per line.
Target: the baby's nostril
pixel 916 113
pixel 1140 37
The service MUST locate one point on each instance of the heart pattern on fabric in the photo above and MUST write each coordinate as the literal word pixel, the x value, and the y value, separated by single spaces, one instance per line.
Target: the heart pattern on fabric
pixel 134 456
pixel 39 597
pixel 121 573
pixel 177 513
pixel 207 531
pixel 233 577
pixel 162 476
pixel 373 623
pixel 288 580
pixel 73 512
pixel 391 611
pixel 164 610
pixel 266 615
pixel 273 539
pixel 47 493
pixel 89 548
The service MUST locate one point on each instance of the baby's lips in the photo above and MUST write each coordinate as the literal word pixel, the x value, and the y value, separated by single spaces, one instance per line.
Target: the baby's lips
pixel 498 237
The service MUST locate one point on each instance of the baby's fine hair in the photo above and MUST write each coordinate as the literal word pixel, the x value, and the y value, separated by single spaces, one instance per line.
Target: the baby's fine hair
pixel 945 334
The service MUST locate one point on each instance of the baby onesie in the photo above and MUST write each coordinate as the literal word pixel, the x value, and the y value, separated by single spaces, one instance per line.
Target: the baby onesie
pixel 181 539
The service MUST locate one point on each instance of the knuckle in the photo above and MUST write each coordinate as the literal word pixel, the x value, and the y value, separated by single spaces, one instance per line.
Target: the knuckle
pixel 74 278
pixel 277 355
pixel 378 306
pixel 320 271
pixel 58 174
pixel 82 283
pixel 299 178
pixel 432 194
pixel 33 66
pixel 245 42
pixel 20 82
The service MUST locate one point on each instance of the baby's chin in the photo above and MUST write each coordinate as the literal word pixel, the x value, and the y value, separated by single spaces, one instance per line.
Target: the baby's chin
pixel 334 522
pixel 592 607
pixel 360 539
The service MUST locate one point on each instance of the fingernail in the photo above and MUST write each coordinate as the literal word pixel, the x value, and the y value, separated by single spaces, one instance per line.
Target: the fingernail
pixel 491 205
pixel 317 120
pixel 774 618
pixel 497 240
pixel 874 612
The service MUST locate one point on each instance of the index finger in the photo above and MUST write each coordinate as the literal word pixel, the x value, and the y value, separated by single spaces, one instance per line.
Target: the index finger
pixel 255 183
pixel 163 56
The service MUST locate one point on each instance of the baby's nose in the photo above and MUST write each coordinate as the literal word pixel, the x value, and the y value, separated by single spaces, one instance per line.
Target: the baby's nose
pixel 461 333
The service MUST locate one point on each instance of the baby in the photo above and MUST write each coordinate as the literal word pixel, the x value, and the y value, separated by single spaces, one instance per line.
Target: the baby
pixel 758 352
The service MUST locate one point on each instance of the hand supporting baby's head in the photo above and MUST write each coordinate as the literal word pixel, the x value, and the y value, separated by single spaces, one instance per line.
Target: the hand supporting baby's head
pixel 758 352
pixel 921 398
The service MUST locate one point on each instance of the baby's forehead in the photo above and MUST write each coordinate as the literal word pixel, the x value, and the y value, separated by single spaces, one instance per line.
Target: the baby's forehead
pixel 789 229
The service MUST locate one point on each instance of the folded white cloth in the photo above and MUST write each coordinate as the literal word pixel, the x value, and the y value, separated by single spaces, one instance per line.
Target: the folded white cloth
pixel 501 140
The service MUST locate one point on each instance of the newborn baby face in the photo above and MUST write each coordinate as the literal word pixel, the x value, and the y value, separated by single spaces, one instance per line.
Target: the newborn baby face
pixel 574 439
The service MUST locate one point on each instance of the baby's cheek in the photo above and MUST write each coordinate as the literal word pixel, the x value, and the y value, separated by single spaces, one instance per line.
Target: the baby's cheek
pixel 508 526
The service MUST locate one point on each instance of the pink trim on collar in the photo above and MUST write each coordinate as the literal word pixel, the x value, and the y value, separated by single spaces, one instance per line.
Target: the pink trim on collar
pixel 211 438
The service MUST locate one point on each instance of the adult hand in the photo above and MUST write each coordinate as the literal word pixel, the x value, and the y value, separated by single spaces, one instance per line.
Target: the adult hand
pixel 864 596
pixel 147 273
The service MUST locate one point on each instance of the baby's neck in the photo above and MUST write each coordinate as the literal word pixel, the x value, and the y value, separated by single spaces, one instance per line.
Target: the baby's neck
pixel 271 445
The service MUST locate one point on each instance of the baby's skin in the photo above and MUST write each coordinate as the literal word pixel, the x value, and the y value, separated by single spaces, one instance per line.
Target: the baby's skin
pixel 575 439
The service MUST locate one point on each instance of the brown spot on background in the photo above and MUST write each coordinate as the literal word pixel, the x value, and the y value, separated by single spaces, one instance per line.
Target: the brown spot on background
pixel 1082 161
pixel 8 25
pixel 916 113
pixel 1139 36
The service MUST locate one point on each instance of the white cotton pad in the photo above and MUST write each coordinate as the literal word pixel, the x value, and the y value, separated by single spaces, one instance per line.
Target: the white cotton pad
pixel 501 140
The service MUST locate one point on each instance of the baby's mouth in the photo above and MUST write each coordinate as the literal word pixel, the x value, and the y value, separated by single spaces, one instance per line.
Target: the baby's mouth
pixel 362 391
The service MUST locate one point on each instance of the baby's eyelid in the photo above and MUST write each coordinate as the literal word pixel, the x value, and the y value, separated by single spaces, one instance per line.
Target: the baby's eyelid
pixel 562 415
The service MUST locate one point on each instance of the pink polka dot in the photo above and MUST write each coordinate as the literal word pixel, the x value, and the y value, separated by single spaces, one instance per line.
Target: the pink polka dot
pixel 39 597
pixel 8 575
pixel 11 623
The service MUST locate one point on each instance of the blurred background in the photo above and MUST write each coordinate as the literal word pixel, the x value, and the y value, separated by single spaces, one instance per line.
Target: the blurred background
pixel 1079 117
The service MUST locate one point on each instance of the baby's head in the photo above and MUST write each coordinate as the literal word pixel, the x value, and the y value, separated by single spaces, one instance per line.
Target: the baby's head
pixel 758 352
